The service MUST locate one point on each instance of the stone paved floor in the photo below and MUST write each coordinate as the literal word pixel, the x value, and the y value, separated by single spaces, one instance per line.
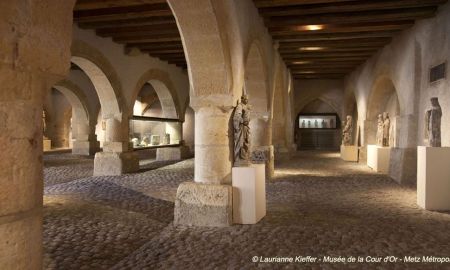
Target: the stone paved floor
pixel 317 205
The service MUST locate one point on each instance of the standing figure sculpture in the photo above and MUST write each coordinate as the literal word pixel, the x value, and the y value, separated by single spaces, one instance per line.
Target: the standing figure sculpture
pixel 303 123
pixel 316 124
pixel 433 124
pixel 44 124
pixel 380 124
pixel 347 131
pixel 323 123
pixel 241 126
pixel 386 128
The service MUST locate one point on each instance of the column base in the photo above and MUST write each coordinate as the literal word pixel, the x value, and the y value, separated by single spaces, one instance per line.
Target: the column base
pixel 349 153
pixel 172 153
pixel 85 148
pixel 403 167
pixel 199 204
pixel 378 158
pixel 111 163
pixel 433 172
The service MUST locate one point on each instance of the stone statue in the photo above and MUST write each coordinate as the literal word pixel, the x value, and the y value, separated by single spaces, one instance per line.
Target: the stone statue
pixel 316 124
pixel 241 126
pixel 347 131
pixel 166 138
pixel 380 130
pixel 303 123
pixel 386 128
pixel 44 124
pixel 433 124
pixel 323 123
pixel 309 123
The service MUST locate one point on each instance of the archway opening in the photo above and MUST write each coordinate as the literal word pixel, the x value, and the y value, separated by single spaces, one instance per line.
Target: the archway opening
pixel 155 120
pixel 318 127
pixel 383 99
pixel 255 86
pixel 57 121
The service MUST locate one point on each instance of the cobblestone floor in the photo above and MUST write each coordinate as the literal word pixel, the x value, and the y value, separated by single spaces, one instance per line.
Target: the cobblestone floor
pixel 317 205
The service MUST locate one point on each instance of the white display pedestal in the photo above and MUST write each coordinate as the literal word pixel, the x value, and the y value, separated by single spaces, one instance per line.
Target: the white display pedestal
pixel 249 194
pixel 378 158
pixel 349 153
pixel 47 145
pixel 433 178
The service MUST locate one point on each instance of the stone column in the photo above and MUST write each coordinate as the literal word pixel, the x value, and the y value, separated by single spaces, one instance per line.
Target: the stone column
pixel 85 140
pixel 34 54
pixel 208 201
pixel 116 158
pixel 261 133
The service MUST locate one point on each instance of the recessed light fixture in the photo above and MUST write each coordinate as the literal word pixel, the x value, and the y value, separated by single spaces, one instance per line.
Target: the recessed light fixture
pixel 310 27
pixel 314 27
pixel 311 48
pixel 301 62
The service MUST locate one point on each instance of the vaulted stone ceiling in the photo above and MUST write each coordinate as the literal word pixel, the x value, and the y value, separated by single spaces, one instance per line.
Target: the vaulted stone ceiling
pixel 148 25
pixel 329 38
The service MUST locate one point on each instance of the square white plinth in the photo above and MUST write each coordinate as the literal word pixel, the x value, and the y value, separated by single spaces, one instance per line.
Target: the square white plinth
pixel 378 158
pixel 349 153
pixel 433 178
pixel 47 145
pixel 249 194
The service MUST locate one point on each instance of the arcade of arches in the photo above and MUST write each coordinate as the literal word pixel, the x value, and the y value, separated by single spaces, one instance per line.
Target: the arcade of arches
pixel 116 132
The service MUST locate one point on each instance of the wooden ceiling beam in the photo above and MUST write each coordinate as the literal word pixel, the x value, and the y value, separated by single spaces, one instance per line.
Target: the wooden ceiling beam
pixel 141 39
pixel 298 37
pixel 162 32
pixel 120 13
pixel 369 42
pixel 331 49
pixel 359 17
pixel 139 22
pixel 102 4
pixel 356 6
pixel 280 3
pixel 343 28
pixel 137 30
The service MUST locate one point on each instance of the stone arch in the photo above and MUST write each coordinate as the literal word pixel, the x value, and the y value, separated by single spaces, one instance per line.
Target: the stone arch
pixel 209 66
pixel 383 98
pixel 164 88
pixel 256 87
pixel 278 110
pixel 321 99
pixel 77 100
pixel 102 75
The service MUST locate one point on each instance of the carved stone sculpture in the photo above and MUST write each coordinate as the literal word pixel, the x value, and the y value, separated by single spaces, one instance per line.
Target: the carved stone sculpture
pixel 44 124
pixel 166 138
pixel 324 125
pixel 433 124
pixel 309 123
pixel 303 123
pixel 316 124
pixel 347 131
pixel 386 128
pixel 241 126
pixel 380 124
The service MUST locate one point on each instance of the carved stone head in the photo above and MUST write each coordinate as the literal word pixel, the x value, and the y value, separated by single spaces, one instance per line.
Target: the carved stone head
pixel 434 101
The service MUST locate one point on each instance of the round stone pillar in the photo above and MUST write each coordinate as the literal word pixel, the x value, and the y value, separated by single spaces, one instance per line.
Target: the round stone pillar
pixel 262 149
pixel 34 55
pixel 213 160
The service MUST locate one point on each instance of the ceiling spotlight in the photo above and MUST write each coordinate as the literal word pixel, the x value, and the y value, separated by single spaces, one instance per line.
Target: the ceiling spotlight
pixel 314 27
pixel 311 48
pixel 310 27
pixel 301 62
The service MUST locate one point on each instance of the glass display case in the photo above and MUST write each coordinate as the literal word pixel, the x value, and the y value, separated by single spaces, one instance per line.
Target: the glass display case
pixel 317 121
pixel 153 132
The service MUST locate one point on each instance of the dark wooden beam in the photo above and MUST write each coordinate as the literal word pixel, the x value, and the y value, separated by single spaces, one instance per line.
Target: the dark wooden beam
pixel 298 37
pixel 359 17
pixel 102 4
pixel 280 3
pixel 353 6
pixel 343 28
pixel 120 13
pixel 330 49
pixel 162 32
pixel 143 39
pixel 125 22
pixel 137 30
pixel 368 42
